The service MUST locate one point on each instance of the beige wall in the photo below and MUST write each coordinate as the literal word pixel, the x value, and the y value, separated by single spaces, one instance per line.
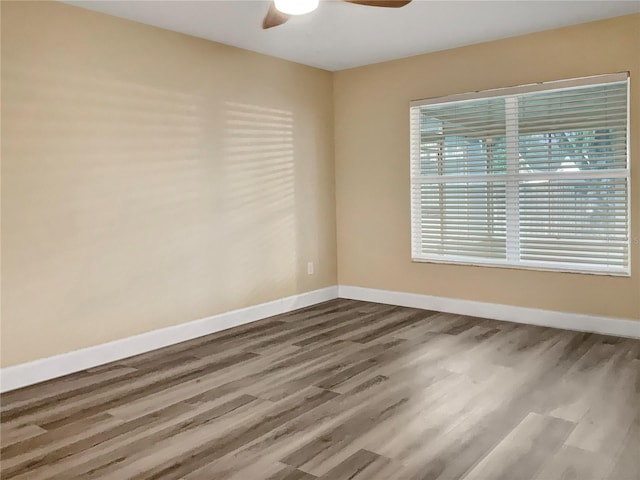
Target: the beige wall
pixel 372 165
pixel 151 178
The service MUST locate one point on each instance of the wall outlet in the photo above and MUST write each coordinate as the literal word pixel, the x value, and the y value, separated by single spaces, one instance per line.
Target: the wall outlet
pixel 310 268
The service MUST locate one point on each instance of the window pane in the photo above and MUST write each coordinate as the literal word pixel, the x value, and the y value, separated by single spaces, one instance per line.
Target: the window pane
pixel 573 130
pixel 463 139
pixel 463 219
pixel 574 221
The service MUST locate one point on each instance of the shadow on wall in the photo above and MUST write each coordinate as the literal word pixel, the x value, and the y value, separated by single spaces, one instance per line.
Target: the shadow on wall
pixel 127 207
pixel 259 203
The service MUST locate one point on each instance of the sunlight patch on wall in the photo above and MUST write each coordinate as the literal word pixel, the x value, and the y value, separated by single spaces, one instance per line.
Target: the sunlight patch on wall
pixel 259 201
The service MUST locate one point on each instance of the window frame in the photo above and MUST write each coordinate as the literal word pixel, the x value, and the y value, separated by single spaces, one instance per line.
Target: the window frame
pixel 511 178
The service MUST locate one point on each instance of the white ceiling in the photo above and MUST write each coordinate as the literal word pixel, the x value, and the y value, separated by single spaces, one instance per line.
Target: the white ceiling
pixel 340 35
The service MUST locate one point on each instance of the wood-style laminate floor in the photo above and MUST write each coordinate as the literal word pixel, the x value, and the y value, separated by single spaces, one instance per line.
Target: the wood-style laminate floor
pixel 342 390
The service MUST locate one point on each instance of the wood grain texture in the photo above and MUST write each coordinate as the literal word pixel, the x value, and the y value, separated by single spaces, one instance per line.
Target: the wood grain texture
pixel 342 390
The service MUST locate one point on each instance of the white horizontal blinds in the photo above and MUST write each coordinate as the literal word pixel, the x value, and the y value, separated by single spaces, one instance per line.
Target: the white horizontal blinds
pixel 459 188
pixel 465 220
pixel 582 223
pixel 573 186
pixel 463 138
pixel 534 178
pixel 578 129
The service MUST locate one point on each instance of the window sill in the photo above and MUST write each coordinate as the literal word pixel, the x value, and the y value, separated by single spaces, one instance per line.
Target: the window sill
pixel 524 266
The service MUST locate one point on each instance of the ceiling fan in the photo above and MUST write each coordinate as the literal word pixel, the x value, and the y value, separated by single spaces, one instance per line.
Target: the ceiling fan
pixel 280 10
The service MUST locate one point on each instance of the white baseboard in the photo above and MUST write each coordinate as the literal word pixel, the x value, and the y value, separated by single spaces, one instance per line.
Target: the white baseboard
pixel 24 374
pixel 533 316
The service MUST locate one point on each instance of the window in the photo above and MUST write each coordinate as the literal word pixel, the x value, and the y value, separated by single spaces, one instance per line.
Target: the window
pixel 529 177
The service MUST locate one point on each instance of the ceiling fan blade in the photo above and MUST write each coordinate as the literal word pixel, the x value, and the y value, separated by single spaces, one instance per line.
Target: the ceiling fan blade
pixel 274 17
pixel 380 3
